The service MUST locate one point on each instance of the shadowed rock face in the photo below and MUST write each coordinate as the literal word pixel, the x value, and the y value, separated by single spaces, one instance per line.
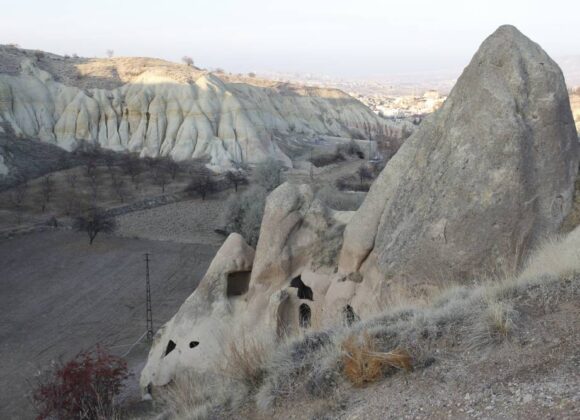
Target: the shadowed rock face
pixel 481 181
pixel 158 113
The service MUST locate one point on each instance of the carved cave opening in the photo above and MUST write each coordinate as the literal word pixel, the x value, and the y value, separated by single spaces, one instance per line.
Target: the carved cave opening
pixel 238 283
pixel 304 316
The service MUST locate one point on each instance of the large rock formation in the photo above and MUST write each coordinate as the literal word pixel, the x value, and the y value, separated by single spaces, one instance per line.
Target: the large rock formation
pixel 479 184
pixel 296 233
pixel 194 335
pixel 169 109
pixel 481 181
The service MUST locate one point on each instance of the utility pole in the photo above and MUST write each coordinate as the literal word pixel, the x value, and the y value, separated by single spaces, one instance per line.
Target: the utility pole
pixel 148 298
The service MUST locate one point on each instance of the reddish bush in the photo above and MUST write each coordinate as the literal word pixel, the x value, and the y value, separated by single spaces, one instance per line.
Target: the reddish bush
pixel 82 388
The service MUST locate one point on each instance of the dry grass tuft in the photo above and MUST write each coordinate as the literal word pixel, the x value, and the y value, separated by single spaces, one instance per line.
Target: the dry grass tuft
pixel 363 364
pixel 196 396
pixel 500 319
pixel 245 359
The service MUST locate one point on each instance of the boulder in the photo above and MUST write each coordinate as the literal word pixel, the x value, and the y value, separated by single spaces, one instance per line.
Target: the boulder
pixel 482 180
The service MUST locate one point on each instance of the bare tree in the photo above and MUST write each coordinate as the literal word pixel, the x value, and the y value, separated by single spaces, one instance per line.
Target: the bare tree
pixel 201 184
pixel 110 53
pixel 72 203
pixel 46 190
pixel 132 167
pixel 109 161
pixel 90 166
pixel 119 186
pixel 94 180
pixel 17 197
pixel 160 176
pixel 187 60
pixel 71 180
pixel 171 166
pixel 236 178
pixel 94 221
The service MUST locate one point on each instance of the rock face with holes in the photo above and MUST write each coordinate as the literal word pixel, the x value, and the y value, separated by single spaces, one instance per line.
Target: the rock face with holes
pixel 299 238
pixel 192 336
pixel 481 181
pixel 166 110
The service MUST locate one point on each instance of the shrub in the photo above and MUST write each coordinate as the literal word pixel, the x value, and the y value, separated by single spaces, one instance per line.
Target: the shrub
pixel 350 183
pixel 268 174
pixel 245 213
pixel 339 200
pixel 82 388
pixel 351 148
pixel 187 60
pixel 364 173
pixel 327 159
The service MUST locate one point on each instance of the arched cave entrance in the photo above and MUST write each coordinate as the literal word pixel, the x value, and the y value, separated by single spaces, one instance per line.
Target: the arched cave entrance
pixel 349 316
pixel 304 316
pixel 238 283
pixel 304 292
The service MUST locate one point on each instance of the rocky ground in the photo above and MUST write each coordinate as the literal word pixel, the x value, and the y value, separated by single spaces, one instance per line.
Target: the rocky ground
pixel 534 374
pixel 537 379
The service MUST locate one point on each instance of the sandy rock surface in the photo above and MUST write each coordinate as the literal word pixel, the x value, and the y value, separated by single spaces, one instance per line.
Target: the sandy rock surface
pixel 481 181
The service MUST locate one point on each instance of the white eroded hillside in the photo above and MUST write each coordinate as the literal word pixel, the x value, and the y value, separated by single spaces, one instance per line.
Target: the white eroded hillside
pixel 158 108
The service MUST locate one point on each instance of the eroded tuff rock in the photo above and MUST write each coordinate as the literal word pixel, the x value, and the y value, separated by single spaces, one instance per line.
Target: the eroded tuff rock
pixel 193 336
pixel 160 111
pixel 481 181
pixel 299 238
pixel 479 184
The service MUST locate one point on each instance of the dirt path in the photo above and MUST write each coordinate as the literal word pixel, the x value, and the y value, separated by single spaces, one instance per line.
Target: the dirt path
pixel 60 296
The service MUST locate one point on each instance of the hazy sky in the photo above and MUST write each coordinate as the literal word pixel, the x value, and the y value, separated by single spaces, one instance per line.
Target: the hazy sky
pixel 354 38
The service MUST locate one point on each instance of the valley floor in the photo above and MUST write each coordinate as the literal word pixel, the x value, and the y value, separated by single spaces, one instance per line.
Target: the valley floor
pixel 60 296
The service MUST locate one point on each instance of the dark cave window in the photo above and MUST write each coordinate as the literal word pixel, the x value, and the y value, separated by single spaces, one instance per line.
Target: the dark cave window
pixel 238 283
pixel 305 315
pixel 304 292
pixel 170 347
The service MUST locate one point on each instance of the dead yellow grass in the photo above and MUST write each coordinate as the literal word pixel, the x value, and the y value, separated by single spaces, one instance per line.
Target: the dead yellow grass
pixel 244 360
pixel 363 364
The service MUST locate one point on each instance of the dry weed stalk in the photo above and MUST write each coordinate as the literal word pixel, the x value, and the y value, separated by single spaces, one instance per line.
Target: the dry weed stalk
pixel 363 364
